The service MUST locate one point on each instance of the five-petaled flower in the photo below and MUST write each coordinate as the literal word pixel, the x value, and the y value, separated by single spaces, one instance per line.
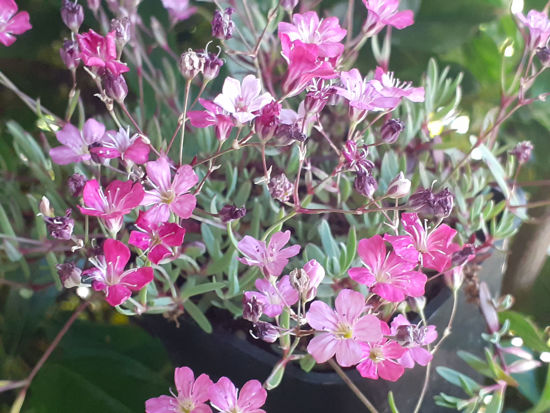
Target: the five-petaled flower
pixel 99 51
pixel 121 145
pixel 274 298
pixel 413 338
pixel 226 398
pixel 213 115
pixel 382 13
pixel 75 143
pixel 12 23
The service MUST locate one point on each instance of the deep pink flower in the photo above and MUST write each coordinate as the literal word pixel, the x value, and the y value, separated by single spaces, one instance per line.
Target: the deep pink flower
pixel 99 51
pixel 539 27
pixel 382 13
pixel 413 338
pixel 343 328
pixel 380 359
pixel 325 33
pixel 110 206
pixel 274 298
pixel 213 115
pixel 305 63
pixel 159 238
pixel 191 398
pixel 271 259
pixel 170 195
pixel 389 86
pixel 76 143
pixel 179 9
pixel 109 274
pixel 242 100
pixel 433 248
pixel 121 145
pixel 226 398
pixel 388 275
pixel 12 23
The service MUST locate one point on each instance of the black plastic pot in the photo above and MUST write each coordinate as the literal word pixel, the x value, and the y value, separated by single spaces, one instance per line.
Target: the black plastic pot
pixel 229 352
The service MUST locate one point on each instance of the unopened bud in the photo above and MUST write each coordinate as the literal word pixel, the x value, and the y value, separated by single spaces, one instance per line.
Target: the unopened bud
pixel 70 54
pixel 212 65
pixel 115 86
pixel 76 183
pixel 522 151
pixel 317 99
pixel 93 5
pixel 267 122
pixel 426 202
pixel 543 53
pixel 461 257
pixel 122 28
pixel 316 274
pixel 390 131
pixel 266 332
pixel 191 64
pixel 60 227
pixel 69 274
pixel 231 212
pixel 289 5
pixel 222 25
pixel 252 308
pixel 280 188
pixel 399 187
pixel 365 184
pixel 72 15
pixel 300 281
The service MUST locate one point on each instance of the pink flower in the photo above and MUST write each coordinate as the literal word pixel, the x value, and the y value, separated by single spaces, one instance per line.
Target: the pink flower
pixel 271 259
pixel 315 273
pixel 191 398
pixel 343 329
pixel 434 248
pixel 383 13
pixel 170 195
pixel 389 276
pixel 178 9
pixel 380 359
pixel 325 33
pixel 391 87
pixel 99 51
pixel 109 274
pixel 213 115
pixel 412 338
pixel 539 27
pixel 274 298
pixel 12 23
pixel 121 145
pixel 110 206
pixel 226 398
pixel 242 100
pixel 158 238
pixel 76 143
pixel 356 157
pixel 305 63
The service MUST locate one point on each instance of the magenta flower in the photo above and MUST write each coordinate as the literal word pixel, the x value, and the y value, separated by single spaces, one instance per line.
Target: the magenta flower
pixel 158 238
pixel 99 51
pixel 389 276
pixel 413 338
pixel 434 249
pixel 109 275
pixel 343 329
pixel 178 9
pixel 382 13
pixel 226 398
pixel 271 259
pixel 389 86
pixel 325 33
pixel 274 298
pixel 213 115
pixel 12 23
pixel 170 195
pixel 242 100
pixel 76 143
pixel 380 359
pixel 191 398
pixel 539 27
pixel 110 206
pixel 121 145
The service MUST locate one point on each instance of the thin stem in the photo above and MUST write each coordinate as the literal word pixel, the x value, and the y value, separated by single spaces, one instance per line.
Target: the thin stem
pixel 352 386
pixel 184 116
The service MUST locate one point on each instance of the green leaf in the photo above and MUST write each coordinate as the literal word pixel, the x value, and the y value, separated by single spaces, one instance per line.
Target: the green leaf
pixel 457 378
pixel 221 264
pixel 233 275
pixel 275 377
pixel 196 314
pixel 522 326
pixel 212 244
pixel 327 240
pixel 476 363
pixel 307 363
pixel 497 402
pixel 201 289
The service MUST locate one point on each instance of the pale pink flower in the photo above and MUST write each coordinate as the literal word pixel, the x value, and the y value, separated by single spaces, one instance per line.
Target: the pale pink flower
pixel 75 143
pixel 226 398
pixel 121 145
pixel 213 115
pixel 382 13
pixel 315 273
pixel 387 275
pixel 191 398
pixel 342 329
pixel 433 248
pixel 170 195
pixel 380 359
pixel 157 237
pixel 12 23
pixel 178 9
pixel 110 206
pixel 109 274
pixel 272 259
pixel 539 27
pixel 325 33
pixel 99 51
pixel 242 100
pixel 274 298
pixel 413 338
pixel 389 86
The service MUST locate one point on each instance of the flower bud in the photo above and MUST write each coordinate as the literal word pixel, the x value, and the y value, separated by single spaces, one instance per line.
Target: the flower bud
pixel 291 132
pixel 60 227
pixel 212 65
pixel 266 332
pixel 289 5
pixel 543 53
pixel 428 203
pixel 93 5
pixel 76 183
pixel 122 28
pixel 45 207
pixel 280 188
pixel 267 123
pixel 461 257
pixel 252 308
pixel 316 274
pixel 222 25
pixel 300 281
pixel 317 98
pixel 69 274
pixel 390 131
pixel 231 212
pixel 115 86
pixel 522 151
pixel 70 54
pixel 356 157
pixel 191 64
pixel 365 184
pixel 72 15
pixel 399 187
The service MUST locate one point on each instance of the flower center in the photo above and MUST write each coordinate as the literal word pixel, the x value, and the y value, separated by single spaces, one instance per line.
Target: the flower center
pixel 168 197
pixel 344 331
pixel 376 355
pixel 186 405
